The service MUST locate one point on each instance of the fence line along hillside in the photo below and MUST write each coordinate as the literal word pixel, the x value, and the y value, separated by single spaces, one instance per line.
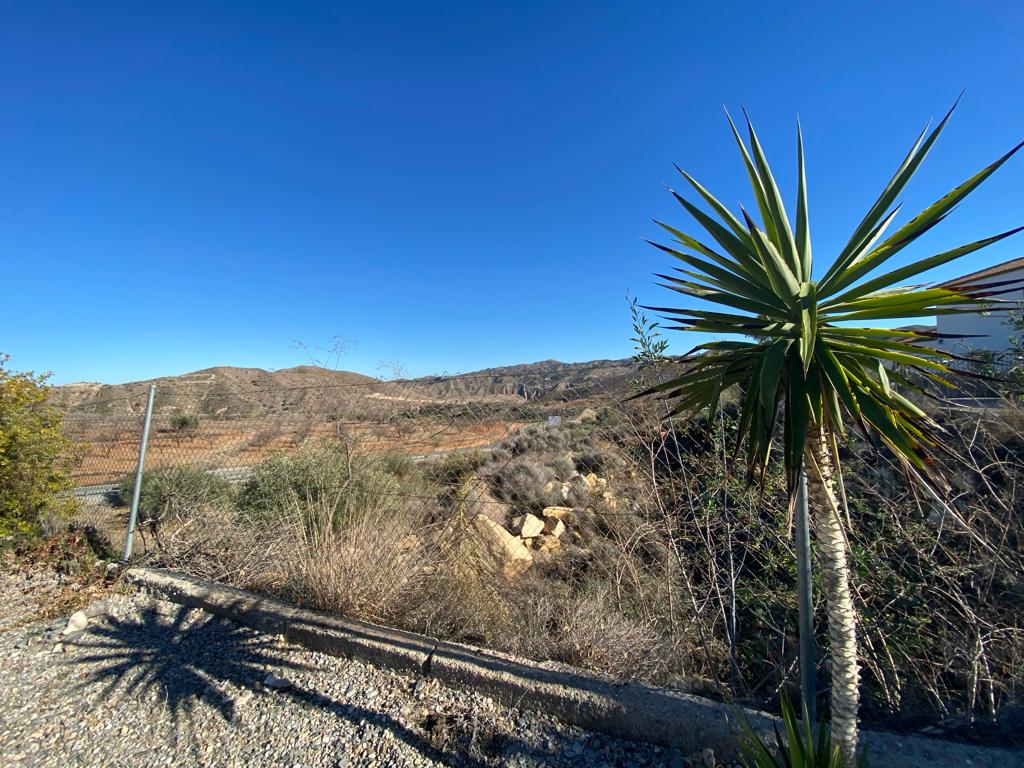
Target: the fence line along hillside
pixel 230 422
pixel 539 511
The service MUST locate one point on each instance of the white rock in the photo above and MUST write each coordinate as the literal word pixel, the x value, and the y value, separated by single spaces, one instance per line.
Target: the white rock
pixel 531 526
pixel 99 608
pixel 507 550
pixel 276 683
pixel 78 621
pixel 558 512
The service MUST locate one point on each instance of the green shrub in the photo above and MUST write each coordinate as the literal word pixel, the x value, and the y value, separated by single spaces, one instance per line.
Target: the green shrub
pixel 398 464
pixel 177 491
pixel 324 474
pixel 802 746
pixel 453 469
pixel 181 422
pixel 35 457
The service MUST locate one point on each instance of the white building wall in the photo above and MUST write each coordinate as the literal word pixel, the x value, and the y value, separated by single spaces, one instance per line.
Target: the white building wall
pixel 992 326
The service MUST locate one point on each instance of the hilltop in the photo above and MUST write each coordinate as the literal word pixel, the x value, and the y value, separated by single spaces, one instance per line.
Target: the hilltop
pixel 227 392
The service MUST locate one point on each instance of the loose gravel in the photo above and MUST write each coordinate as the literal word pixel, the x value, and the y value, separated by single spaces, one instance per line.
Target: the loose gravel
pixel 151 683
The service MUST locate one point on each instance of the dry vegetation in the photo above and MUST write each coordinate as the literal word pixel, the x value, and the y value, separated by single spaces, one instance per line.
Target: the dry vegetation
pixel 669 568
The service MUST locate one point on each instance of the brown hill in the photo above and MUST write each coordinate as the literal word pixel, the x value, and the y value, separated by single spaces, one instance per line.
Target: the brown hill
pixel 222 391
pixel 227 392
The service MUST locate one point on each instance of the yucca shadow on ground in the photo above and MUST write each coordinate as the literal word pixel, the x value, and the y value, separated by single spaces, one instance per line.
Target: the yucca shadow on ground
pixel 185 661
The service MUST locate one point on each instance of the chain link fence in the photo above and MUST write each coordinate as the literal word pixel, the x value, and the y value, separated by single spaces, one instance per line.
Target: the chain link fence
pixel 227 426
pixel 543 513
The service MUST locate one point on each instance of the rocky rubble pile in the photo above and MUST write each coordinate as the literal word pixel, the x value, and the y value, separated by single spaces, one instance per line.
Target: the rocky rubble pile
pixel 513 539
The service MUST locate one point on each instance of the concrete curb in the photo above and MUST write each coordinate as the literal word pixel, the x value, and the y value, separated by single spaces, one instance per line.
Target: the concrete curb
pixel 627 710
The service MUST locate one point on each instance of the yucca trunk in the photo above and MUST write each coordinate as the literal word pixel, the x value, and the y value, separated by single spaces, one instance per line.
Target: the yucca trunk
pixel 842 626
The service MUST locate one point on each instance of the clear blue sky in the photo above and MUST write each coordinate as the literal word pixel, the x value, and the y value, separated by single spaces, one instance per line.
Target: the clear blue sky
pixel 455 185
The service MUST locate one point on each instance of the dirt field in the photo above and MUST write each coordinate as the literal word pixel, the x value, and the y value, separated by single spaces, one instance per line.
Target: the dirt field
pixel 108 453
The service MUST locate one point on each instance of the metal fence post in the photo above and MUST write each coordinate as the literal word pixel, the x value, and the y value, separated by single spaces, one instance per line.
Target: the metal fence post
pixel 133 516
pixel 805 599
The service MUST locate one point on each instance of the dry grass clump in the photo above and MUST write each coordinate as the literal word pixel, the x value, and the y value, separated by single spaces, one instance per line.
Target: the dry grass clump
pixel 215 542
pixel 372 565
pixel 593 632
pixel 542 618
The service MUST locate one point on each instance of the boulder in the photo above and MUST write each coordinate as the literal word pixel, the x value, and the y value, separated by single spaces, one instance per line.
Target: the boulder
pixel 554 526
pixel 530 527
pixel 508 552
pixel 588 414
pixel 479 500
pixel 557 512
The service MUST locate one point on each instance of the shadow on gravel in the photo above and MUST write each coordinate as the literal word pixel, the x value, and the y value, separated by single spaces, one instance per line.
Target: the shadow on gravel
pixel 159 652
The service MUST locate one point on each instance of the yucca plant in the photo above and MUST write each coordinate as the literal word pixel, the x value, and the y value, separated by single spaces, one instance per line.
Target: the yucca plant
pixel 802 746
pixel 809 350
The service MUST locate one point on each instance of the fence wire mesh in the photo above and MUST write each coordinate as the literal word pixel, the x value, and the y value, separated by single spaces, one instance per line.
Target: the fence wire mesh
pixel 541 512
pixel 229 428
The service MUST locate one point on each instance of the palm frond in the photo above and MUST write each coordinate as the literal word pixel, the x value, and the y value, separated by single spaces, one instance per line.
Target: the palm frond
pixel 804 351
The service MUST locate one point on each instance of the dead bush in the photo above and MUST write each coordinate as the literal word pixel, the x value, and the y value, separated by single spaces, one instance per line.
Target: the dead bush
pixel 593 632
pixel 523 483
pixel 219 544
pixel 372 565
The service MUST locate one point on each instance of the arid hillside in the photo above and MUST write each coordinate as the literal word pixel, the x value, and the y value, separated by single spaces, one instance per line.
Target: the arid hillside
pixel 226 392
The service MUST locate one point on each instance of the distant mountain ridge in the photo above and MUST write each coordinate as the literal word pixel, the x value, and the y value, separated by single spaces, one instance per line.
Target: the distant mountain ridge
pixel 227 392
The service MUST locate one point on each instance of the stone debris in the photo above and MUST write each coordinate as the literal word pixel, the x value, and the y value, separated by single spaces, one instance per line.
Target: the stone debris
pixel 508 551
pixel 76 623
pixel 164 685
pixel 547 543
pixel 554 526
pixel 97 609
pixel 188 701
pixel 530 527
pixel 558 512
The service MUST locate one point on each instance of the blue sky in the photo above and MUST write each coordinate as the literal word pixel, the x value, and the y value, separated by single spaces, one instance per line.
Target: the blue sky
pixel 452 185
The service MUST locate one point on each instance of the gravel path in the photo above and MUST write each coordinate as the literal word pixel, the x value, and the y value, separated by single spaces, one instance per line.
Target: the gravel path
pixel 153 684
pixel 150 683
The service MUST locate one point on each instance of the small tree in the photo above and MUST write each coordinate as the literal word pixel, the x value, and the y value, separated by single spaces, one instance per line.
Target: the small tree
pixel 648 342
pixel 35 456
pixel 183 422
